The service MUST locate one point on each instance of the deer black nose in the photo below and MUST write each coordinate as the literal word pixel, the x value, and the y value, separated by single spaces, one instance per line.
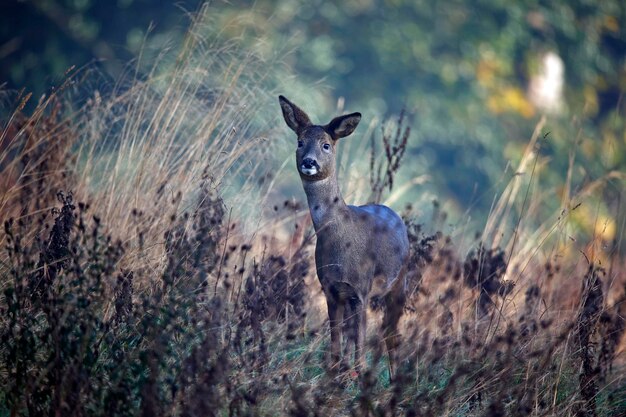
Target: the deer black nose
pixel 309 163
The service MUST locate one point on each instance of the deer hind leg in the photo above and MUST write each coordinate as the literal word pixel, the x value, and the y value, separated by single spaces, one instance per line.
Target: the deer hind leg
pixel 394 307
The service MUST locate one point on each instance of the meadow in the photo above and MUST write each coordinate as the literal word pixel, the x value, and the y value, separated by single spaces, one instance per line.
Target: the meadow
pixel 150 266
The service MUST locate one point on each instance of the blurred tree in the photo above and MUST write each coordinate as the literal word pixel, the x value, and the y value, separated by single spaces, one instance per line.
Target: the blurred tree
pixel 41 39
pixel 478 76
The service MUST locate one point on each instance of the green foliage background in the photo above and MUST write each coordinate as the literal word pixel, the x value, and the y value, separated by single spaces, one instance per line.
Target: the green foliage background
pixel 461 68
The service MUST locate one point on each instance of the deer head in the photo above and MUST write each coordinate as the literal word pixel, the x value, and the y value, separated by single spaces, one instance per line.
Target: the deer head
pixel 315 155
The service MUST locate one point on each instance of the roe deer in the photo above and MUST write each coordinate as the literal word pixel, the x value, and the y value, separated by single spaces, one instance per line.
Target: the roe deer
pixel 360 251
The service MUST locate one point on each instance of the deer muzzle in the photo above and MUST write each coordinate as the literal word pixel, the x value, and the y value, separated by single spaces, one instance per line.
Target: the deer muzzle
pixel 309 166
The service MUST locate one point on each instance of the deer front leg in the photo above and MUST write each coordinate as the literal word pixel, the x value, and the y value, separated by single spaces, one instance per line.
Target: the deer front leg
pixel 360 328
pixel 349 334
pixel 335 319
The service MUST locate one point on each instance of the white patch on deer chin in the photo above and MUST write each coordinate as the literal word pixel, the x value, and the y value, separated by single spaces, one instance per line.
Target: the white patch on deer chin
pixel 308 171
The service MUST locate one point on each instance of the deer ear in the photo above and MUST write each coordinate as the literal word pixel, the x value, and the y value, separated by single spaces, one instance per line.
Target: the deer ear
pixel 343 126
pixel 294 116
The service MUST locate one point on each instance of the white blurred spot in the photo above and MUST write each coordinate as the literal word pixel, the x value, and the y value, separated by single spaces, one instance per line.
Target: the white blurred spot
pixel 546 88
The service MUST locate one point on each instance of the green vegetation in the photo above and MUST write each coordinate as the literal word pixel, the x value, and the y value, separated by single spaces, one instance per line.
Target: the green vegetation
pixel 156 253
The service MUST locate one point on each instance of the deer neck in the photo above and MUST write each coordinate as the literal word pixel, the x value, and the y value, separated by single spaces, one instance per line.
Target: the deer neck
pixel 325 201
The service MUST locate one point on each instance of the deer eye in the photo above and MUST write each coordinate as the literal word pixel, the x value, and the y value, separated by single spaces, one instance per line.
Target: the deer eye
pixel 326 147
pixel 300 144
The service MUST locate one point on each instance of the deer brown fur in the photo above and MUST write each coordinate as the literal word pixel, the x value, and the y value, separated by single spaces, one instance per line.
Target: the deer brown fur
pixel 360 252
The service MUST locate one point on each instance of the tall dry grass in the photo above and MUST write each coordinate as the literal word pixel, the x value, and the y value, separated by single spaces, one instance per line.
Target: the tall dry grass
pixel 193 120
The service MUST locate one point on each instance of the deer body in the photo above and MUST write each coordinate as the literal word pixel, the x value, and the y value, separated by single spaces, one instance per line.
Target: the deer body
pixel 360 251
